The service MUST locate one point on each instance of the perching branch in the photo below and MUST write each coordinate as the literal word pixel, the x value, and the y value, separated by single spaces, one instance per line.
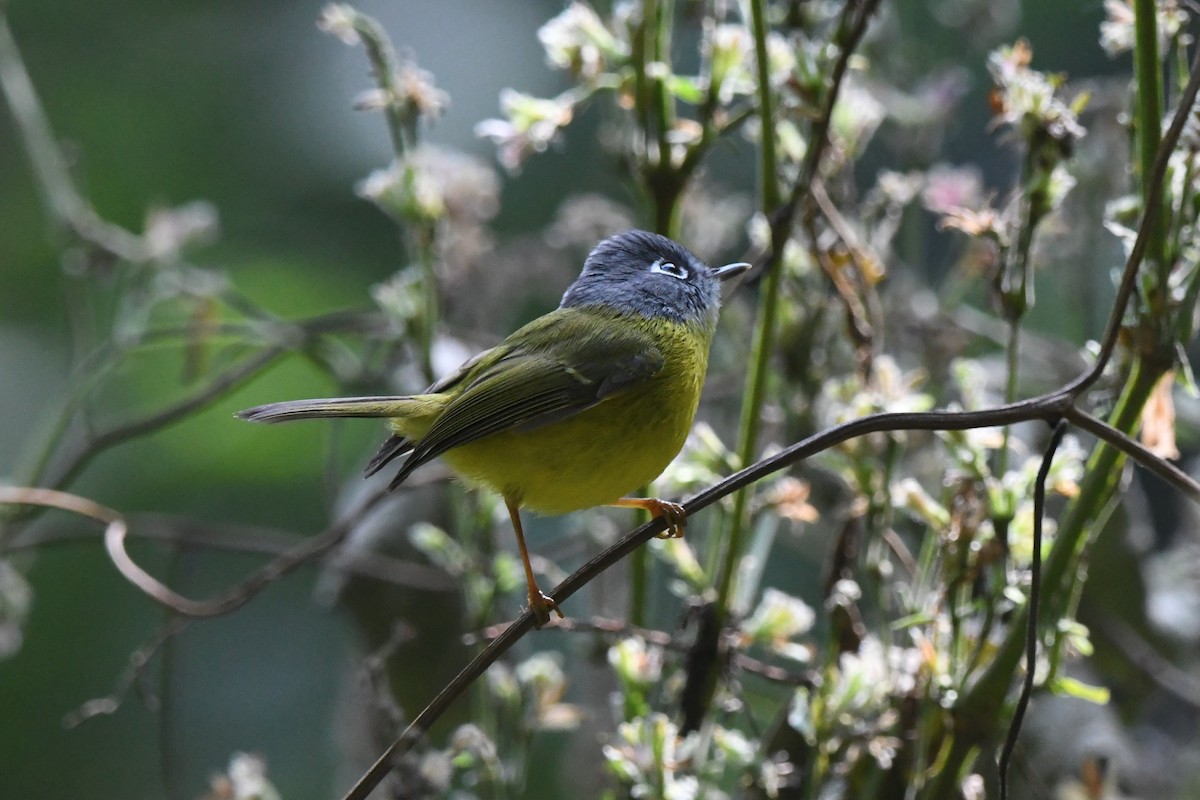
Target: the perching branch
pixel 1052 408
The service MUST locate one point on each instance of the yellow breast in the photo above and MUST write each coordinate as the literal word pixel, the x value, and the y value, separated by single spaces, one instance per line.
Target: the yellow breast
pixel 601 453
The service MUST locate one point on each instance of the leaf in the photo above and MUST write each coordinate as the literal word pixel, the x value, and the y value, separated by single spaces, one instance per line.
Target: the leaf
pixel 1071 687
pixel 1187 379
pixel 1158 419
pixel 686 89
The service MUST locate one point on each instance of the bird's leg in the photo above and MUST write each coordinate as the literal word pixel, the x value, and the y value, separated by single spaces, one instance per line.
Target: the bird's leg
pixel 673 513
pixel 539 604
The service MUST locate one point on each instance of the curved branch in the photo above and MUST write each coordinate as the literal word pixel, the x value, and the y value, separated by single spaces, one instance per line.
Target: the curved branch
pixel 63 202
pixel 1150 216
pixel 1035 593
pixel 1135 450
pixel 1047 407
pixel 252 539
pixel 1051 407
pixel 242 593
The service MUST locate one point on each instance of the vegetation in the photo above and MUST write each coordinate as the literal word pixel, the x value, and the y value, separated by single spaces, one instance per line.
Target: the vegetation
pixel 893 520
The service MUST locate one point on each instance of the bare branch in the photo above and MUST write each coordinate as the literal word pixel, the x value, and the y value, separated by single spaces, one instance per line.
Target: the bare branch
pixel 248 539
pixel 1142 656
pixel 63 202
pixel 239 595
pixel 138 661
pixel 1135 450
pixel 1035 591
pixel 1149 217
pixel 201 398
pixel 619 628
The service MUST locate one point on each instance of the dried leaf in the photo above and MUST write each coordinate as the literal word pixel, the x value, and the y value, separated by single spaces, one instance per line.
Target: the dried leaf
pixel 1158 419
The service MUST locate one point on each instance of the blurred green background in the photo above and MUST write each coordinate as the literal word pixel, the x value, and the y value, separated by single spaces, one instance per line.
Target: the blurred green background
pixel 248 106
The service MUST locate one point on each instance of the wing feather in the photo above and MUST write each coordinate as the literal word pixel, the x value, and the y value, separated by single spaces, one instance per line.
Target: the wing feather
pixel 532 381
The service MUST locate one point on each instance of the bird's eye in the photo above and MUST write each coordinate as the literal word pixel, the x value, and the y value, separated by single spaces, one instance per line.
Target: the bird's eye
pixel 669 268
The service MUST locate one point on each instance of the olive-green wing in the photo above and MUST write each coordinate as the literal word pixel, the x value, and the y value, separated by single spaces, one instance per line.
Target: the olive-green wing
pixel 396 445
pixel 553 368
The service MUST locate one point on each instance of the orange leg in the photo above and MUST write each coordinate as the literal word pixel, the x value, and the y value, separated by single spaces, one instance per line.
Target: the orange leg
pixel 673 513
pixel 539 604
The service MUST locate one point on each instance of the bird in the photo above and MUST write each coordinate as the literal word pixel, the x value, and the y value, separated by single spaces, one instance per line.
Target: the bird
pixel 576 409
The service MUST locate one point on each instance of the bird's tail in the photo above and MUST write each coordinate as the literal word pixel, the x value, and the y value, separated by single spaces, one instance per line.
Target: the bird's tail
pixel 331 407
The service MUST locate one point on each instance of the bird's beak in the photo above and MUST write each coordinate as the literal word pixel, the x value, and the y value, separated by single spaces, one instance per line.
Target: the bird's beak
pixel 730 270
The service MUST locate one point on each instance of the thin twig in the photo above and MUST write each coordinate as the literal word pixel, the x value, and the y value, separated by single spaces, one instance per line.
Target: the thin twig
pixel 1142 656
pixel 620 628
pixel 1136 450
pixel 1049 407
pixel 64 501
pixel 374 672
pixel 116 529
pixel 1031 619
pixel 819 140
pixel 242 593
pixel 251 539
pixel 1154 185
pixel 289 335
pixel 62 200
pixel 200 399
pixel 858 318
pixel 138 661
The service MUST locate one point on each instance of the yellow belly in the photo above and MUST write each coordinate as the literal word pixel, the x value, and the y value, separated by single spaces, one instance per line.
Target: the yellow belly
pixel 599 454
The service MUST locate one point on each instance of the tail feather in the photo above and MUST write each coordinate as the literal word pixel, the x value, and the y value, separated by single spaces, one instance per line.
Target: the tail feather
pixel 326 407
pixel 393 447
pixel 407 468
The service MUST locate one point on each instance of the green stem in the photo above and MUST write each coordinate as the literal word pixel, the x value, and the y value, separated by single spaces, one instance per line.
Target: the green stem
pixel 1148 73
pixel 664 179
pixel 639 578
pixel 384 67
pixel 663 10
pixel 665 186
pixel 1102 476
pixel 638 58
pixel 427 325
pixel 978 713
pixel 946 785
pixel 764 333
pixel 1012 358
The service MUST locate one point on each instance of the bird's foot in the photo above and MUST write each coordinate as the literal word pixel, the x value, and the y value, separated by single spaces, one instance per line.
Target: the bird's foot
pixel 541 605
pixel 673 513
pixel 675 516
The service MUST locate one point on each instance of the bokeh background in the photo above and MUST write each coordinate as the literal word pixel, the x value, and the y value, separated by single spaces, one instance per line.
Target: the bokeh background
pixel 249 107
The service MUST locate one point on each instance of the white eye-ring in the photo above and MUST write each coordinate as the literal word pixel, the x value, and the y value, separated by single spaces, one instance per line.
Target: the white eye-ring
pixel 669 268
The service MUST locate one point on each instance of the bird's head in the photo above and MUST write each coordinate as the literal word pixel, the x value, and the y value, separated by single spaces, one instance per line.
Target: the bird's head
pixel 643 273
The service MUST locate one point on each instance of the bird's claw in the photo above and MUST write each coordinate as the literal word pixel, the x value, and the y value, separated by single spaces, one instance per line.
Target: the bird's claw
pixel 541 605
pixel 675 516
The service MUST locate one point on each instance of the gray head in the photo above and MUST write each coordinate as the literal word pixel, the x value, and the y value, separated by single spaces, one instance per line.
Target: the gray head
pixel 644 273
